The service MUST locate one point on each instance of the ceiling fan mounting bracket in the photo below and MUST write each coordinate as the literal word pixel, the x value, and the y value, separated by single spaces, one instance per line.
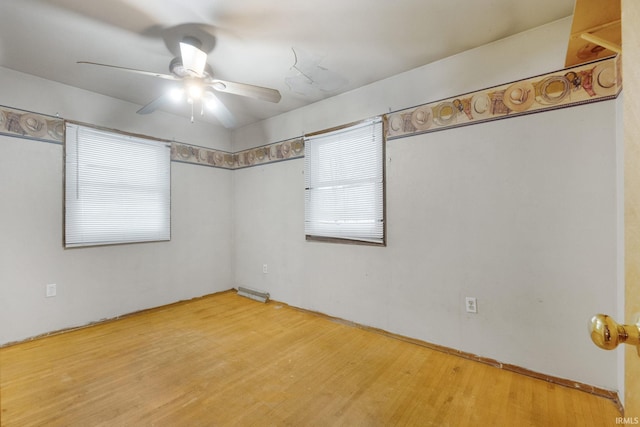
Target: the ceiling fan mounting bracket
pixel 193 41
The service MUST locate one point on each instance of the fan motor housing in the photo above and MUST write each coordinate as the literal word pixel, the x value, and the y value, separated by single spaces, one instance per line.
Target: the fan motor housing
pixel 177 69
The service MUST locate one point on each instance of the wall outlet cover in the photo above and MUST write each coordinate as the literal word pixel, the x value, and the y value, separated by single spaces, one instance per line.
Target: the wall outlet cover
pixel 51 290
pixel 471 304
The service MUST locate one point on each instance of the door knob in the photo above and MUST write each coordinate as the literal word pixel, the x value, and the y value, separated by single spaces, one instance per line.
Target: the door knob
pixel 607 334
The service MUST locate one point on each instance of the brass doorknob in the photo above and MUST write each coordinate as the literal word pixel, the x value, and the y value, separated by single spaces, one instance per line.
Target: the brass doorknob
pixel 607 334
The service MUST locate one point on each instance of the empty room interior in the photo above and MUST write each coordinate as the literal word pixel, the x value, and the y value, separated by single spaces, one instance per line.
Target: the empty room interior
pixel 339 213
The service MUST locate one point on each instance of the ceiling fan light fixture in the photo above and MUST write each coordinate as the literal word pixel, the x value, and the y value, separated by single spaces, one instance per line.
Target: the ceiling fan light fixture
pixel 176 94
pixel 196 82
pixel 193 59
pixel 194 90
pixel 222 113
pixel 211 104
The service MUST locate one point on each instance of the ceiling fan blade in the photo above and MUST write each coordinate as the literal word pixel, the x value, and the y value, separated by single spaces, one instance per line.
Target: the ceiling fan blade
pixel 132 70
pixel 153 105
pixel 244 89
pixel 193 59
pixel 219 109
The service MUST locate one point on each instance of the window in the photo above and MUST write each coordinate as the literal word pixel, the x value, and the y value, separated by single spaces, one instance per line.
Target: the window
pixel 117 188
pixel 344 184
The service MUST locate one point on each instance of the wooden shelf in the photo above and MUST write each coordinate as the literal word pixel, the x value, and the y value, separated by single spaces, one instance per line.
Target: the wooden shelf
pixel 596 31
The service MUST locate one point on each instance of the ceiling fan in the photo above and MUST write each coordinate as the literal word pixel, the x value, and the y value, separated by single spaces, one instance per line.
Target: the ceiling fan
pixel 198 83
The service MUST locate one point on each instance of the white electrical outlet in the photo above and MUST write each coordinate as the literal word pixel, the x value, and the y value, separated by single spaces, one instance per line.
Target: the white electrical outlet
pixel 471 304
pixel 51 290
pixel 265 270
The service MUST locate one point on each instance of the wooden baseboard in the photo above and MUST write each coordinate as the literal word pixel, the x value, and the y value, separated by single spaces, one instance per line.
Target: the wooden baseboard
pixel 597 391
pixel 113 319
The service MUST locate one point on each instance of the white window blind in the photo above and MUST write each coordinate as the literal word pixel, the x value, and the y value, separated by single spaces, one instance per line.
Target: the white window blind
pixel 117 188
pixel 344 183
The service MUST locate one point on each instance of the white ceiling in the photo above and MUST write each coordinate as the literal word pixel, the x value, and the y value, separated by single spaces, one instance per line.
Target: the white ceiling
pixel 349 43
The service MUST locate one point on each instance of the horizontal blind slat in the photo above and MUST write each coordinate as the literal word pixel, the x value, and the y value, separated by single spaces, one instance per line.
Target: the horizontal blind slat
pixel 344 188
pixel 117 188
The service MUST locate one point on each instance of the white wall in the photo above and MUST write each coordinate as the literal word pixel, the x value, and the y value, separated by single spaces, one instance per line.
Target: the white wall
pixel 521 213
pixel 101 282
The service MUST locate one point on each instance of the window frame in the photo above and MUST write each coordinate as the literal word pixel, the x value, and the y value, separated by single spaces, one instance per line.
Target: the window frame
pixel 159 141
pixel 355 241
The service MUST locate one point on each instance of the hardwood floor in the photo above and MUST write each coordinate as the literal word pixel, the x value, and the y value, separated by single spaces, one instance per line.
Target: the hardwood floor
pixel 226 360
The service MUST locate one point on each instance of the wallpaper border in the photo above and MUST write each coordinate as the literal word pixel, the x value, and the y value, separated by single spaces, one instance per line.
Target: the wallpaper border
pixel 193 154
pixel 271 153
pixel 40 127
pixel 585 83
pixel 30 125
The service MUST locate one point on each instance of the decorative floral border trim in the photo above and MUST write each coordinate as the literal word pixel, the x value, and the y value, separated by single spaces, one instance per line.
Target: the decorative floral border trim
pixel 30 125
pixel 577 85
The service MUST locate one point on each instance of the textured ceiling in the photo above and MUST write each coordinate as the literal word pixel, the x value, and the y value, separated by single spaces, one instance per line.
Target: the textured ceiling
pixel 340 45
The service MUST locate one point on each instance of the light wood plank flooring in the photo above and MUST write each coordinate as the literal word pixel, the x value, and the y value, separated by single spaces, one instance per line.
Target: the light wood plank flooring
pixel 224 360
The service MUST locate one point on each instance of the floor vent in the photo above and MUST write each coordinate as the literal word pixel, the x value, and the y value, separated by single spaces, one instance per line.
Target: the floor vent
pixel 253 294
